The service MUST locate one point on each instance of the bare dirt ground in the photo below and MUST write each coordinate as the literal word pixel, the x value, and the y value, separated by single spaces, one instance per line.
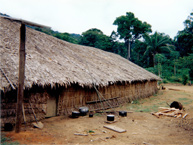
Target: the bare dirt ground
pixel 141 126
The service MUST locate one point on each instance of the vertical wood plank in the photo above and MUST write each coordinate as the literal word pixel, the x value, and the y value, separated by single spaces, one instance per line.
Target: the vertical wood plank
pixel 21 78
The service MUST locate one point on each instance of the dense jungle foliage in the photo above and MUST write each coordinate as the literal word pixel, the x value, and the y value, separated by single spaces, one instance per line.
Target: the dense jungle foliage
pixel 171 59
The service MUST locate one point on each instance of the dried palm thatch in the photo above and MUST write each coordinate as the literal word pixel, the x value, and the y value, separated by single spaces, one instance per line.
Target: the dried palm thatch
pixel 51 61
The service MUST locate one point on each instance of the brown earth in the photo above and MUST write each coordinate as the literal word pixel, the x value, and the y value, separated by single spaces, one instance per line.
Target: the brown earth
pixel 141 127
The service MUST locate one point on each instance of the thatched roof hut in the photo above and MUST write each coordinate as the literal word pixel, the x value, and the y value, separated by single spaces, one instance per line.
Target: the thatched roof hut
pixel 76 69
pixel 50 61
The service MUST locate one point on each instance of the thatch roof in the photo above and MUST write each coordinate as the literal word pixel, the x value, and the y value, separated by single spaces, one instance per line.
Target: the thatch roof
pixel 51 61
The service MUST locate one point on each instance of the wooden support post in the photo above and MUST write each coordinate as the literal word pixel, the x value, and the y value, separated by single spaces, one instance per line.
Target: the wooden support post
pixel 21 78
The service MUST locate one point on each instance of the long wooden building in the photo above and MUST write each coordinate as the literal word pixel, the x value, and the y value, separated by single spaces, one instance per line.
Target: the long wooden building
pixel 60 76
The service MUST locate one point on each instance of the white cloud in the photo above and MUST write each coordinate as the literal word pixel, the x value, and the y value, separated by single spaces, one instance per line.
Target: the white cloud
pixel 77 16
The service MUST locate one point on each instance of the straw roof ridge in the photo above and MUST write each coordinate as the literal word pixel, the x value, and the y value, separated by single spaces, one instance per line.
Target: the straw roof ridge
pixel 51 61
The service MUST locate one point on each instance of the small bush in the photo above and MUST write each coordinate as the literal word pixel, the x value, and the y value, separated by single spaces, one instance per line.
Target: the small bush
pixel 165 81
pixel 184 79
pixel 175 79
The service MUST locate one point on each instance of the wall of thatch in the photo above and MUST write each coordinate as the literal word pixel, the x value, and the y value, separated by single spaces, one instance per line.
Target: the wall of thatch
pixel 71 98
pixel 36 95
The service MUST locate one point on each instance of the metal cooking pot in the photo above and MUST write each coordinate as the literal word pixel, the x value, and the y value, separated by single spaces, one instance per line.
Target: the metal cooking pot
pixel 122 113
pixel 110 117
pixel 75 114
pixel 83 111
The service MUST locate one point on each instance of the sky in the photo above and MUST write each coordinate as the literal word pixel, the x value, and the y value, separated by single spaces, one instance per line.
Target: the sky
pixel 77 16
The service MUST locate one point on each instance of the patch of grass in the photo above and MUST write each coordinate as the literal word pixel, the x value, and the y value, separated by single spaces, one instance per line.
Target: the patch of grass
pixel 132 107
pixel 182 93
pixel 7 141
pixel 142 108
pixel 97 114
pixel 135 102
pixel 148 109
pixel 155 94
pixel 163 103
pixel 187 103
pixel 183 99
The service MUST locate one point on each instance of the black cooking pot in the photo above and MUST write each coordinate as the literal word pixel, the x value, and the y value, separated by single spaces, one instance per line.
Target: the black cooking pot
pixel 110 117
pixel 75 114
pixel 122 113
pixel 83 111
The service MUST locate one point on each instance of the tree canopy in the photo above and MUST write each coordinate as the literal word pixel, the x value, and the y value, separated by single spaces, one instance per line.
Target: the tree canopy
pixel 184 39
pixel 131 28
pixel 157 43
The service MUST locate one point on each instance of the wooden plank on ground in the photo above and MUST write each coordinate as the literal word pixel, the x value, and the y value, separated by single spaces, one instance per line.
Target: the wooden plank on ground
pixel 114 128
pixel 185 115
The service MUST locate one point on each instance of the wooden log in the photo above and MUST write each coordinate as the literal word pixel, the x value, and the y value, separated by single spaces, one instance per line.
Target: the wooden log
pixel 179 115
pixel 174 89
pixel 80 134
pixel 98 101
pixel 165 108
pixel 155 114
pixel 185 115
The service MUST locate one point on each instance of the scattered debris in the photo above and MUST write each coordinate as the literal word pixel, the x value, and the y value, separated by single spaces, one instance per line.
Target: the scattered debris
pixel 114 128
pixel 80 134
pixel 97 139
pixel 147 143
pixel 93 134
pixel 113 136
pixel 185 116
pixel 171 112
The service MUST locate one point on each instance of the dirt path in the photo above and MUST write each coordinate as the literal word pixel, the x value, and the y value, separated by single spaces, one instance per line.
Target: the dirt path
pixel 180 87
pixel 141 126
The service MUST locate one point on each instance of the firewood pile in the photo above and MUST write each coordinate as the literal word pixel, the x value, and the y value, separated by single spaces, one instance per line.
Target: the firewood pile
pixel 171 112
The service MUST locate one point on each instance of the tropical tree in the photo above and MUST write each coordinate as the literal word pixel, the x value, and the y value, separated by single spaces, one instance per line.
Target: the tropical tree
pixel 184 39
pixel 157 43
pixel 138 52
pixel 95 38
pixel 131 28
pixel 187 62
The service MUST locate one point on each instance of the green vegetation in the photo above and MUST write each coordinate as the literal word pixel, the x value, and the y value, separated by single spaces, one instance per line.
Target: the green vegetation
pixel 185 101
pixel 97 114
pixel 7 141
pixel 90 131
pixel 130 29
pixel 140 107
